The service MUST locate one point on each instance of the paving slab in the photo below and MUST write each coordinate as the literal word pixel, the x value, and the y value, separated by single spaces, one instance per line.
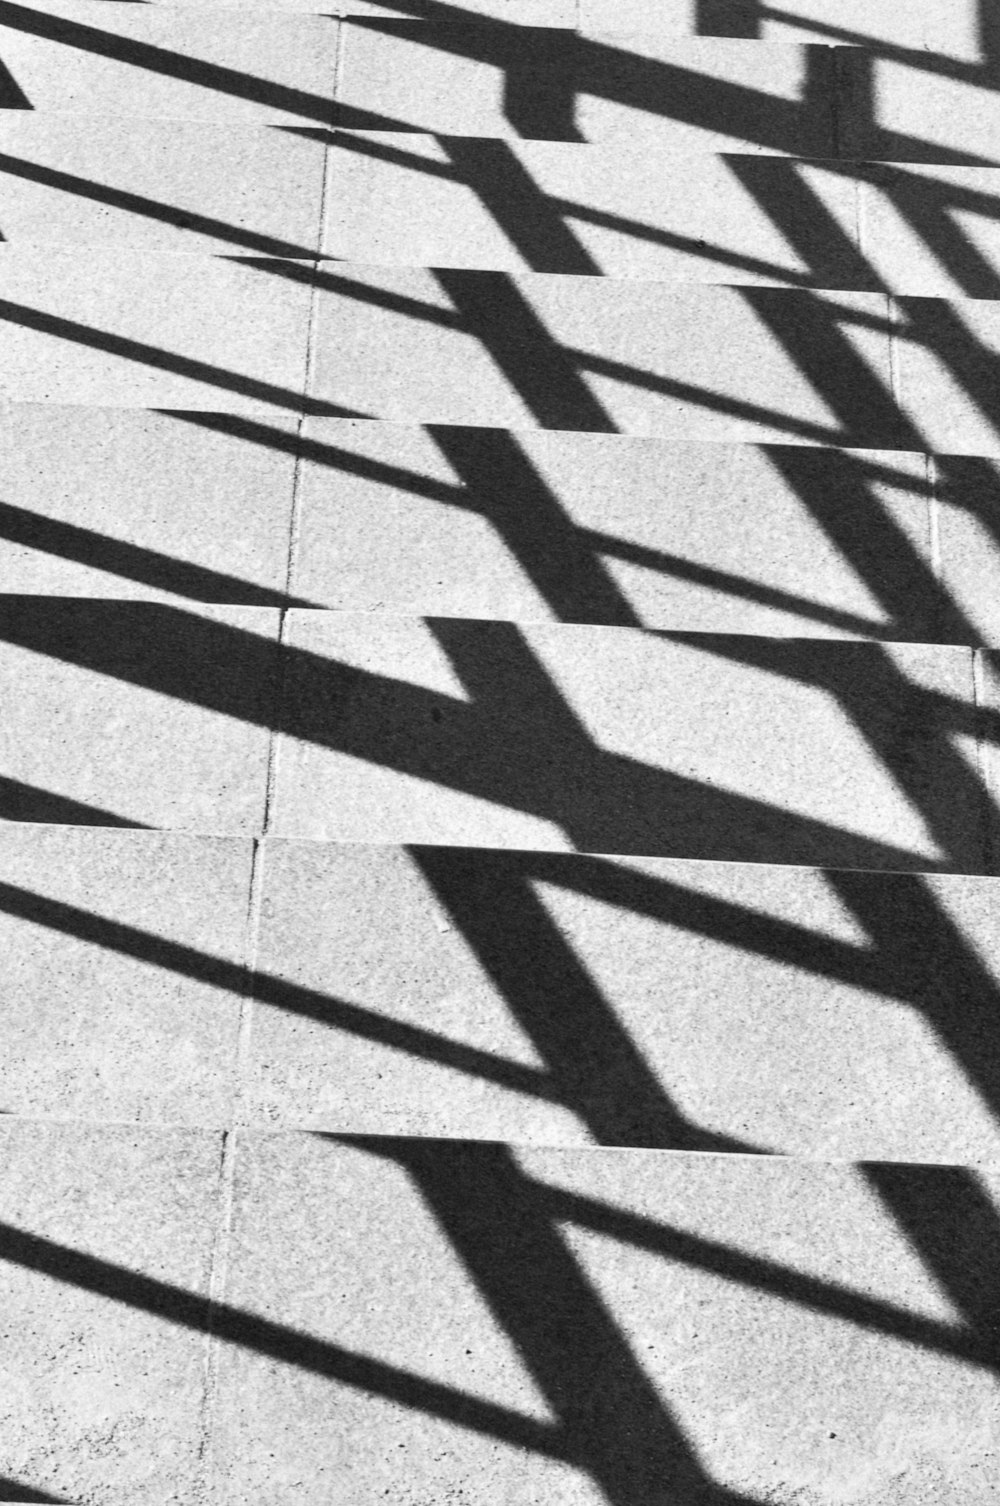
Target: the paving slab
pixel 931 230
pixel 585 353
pixel 548 206
pixel 954 31
pixel 133 329
pixel 654 92
pixel 158 185
pixel 564 1000
pixel 133 713
pixel 945 357
pixel 916 109
pixel 617 740
pixel 607 528
pixel 967 525
pixel 120 958
pixel 131 504
pixel 104 1380
pixel 577 1327
pixel 122 59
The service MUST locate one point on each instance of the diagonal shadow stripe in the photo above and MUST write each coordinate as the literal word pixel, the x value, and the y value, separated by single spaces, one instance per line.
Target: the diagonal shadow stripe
pixel 161 60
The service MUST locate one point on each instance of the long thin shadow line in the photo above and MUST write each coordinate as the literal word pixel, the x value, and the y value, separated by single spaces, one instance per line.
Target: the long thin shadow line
pixel 149 567
pixel 289 1346
pixel 165 360
pixel 153 59
pixel 153 209
pixel 265 988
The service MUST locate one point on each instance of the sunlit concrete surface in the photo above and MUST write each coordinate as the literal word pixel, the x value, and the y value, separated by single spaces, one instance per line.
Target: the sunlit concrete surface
pixel 499 752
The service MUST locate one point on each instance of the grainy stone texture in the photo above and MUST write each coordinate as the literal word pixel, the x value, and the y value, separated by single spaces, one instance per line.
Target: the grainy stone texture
pixel 611 740
pixel 78 57
pixel 127 503
pixel 553 206
pixel 131 713
pixel 601 528
pixel 140 330
pixel 119 958
pixel 946 357
pixel 529 996
pixel 408 344
pixel 163 185
pixel 103 1390
pixel 931 230
pixel 912 109
pixel 954 31
pixel 653 1322
pixel 656 93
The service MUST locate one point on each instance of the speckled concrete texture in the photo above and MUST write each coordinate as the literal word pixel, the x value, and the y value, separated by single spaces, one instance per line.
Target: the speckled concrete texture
pixel 541 1326
pixel 165 185
pixel 121 59
pixel 136 714
pixel 559 999
pixel 107 1235
pixel 120 968
pixel 144 330
pixel 132 504
pixel 608 740
pixel 601 528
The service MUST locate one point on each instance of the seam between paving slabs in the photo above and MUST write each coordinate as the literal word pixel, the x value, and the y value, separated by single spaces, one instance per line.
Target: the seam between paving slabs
pixel 222 1234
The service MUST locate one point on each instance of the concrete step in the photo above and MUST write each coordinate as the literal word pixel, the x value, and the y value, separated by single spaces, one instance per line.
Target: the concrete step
pixel 482 79
pixel 548 736
pixel 733 218
pixel 158 185
pixel 102 57
pixel 659 92
pixel 519 996
pixel 196 186
pixel 405 344
pixel 580 1326
pixel 132 504
pixel 961 31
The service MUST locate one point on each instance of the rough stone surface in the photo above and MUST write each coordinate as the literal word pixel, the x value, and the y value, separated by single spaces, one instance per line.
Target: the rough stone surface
pixel 164 185
pixel 127 503
pixel 77 57
pixel 946 356
pixel 667 1319
pixel 615 740
pixel 408 344
pixel 112 1006
pixel 107 1237
pixel 553 206
pixel 599 528
pixel 139 330
pixel 560 999
pixel 952 31
pixel 656 93
pixel 131 713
